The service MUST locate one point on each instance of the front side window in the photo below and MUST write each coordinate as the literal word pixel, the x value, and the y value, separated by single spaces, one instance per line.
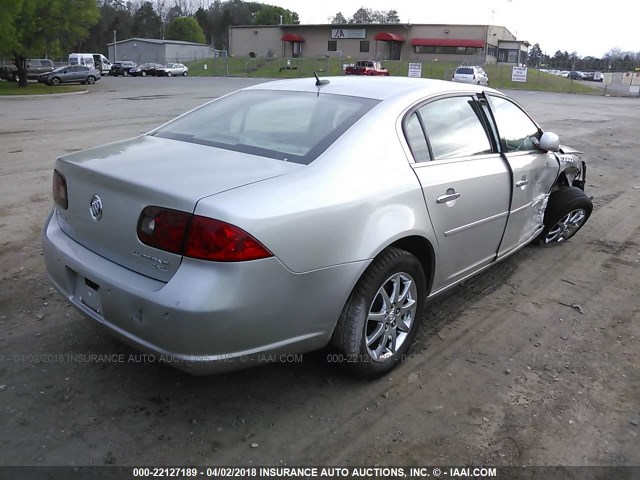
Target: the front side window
pixel 289 126
pixel 454 128
pixel 515 128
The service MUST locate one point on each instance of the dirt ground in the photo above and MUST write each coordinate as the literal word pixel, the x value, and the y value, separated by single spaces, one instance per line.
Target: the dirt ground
pixel 535 362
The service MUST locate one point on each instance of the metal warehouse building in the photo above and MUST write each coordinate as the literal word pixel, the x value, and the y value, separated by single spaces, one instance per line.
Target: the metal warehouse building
pixel 142 50
pixel 416 42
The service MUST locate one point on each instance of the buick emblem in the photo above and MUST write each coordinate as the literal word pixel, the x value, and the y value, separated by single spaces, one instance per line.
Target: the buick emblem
pixel 96 208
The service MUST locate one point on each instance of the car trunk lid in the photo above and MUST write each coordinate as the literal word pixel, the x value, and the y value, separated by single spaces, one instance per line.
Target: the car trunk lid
pixel 109 186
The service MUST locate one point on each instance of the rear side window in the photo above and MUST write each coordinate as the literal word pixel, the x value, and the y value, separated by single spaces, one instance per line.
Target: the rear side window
pixel 289 126
pixel 454 128
pixel 415 138
pixel 464 71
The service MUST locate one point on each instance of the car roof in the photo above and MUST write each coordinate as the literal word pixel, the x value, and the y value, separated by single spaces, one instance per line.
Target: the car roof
pixel 377 88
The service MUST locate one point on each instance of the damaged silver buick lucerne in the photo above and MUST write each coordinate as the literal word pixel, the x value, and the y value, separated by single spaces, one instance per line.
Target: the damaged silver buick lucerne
pixel 301 214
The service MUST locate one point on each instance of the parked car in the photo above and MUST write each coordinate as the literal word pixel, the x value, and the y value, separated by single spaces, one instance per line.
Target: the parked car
pixel 172 70
pixel 145 69
pixel 475 75
pixel 35 68
pixel 70 74
pixel 255 227
pixel 366 67
pixel 122 68
pixel 573 75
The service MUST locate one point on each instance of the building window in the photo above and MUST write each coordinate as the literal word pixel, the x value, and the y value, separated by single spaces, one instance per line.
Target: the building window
pixel 332 46
pixel 507 56
pixel 364 46
pixel 492 50
pixel 446 50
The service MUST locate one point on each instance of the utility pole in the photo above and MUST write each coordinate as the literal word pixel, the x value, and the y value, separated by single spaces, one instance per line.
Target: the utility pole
pixel 115 55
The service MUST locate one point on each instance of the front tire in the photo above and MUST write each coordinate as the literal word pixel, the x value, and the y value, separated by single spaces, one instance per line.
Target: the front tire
pixel 125 73
pixel 169 74
pixel 382 316
pixel 91 80
pixel 567 211
pixel 55 81
pixel 144 74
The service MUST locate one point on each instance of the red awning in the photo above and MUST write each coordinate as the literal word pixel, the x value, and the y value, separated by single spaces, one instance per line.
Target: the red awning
pixel 447 42
pixel 292 37
pixel 389 37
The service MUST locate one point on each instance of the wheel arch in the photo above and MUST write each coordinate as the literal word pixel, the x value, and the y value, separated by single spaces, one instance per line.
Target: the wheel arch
pixel 422 249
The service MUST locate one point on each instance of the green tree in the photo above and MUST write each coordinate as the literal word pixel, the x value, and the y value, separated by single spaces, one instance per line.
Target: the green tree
pixel 535 55
pixel 33 28
pixel 362 15
pixel 392 17
pixel 204 19
pixel 185 28
pixel 146 22
pixel 270 15
pixel 338 18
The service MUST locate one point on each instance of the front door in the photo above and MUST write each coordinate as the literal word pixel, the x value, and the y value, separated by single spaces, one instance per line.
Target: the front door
pixel 466 184
pixel 534 172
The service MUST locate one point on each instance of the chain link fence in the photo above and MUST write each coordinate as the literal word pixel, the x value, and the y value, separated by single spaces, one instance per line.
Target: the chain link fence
pixel 500 76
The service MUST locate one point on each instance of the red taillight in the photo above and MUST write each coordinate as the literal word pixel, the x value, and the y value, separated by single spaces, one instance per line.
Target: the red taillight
pixel 197 237
pixel 60 190
pixel 218 241
pixel 163 228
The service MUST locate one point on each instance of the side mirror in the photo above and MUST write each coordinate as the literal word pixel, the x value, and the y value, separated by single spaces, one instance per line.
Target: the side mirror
pixel 549 142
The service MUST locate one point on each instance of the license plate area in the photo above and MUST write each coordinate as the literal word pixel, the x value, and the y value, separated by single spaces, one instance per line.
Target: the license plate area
pixel 87 292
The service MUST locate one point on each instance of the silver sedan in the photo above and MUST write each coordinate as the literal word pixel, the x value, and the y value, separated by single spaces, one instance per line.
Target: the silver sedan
pixel 301 214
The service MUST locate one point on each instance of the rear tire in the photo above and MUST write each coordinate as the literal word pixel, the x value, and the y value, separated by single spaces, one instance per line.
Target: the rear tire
pixel 125 73
pixel 184 74
pixel 382 315
pixel 567 211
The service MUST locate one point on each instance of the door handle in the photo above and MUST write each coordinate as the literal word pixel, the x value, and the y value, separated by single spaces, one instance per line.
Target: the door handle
pixel 450 195
pixel 523 182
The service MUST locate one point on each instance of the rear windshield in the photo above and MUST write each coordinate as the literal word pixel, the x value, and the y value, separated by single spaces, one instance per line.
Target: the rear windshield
pixel 289 126
pixel 465 71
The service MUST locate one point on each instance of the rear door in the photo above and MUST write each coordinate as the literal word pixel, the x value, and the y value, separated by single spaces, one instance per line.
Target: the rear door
pixel 465 181
pixel 534 172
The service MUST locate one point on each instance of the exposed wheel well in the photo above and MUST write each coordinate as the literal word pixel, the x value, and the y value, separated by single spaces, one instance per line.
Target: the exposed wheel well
pixel 422 249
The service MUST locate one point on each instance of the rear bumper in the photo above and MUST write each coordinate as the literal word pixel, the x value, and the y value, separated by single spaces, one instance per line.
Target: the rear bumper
pixel 209 317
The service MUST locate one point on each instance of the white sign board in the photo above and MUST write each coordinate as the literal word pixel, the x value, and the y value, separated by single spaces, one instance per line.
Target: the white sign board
pixel 339 33
pixel 519 74
pixel 415 70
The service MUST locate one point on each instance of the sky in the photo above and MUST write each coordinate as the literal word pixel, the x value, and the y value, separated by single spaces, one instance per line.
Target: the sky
pixel 585 27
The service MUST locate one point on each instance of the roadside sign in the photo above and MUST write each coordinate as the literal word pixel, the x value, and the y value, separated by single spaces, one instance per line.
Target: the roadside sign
pixel 415 70
pixel 519 74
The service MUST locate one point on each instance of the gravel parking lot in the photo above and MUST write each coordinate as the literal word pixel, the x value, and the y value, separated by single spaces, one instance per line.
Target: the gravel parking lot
pixel 535 362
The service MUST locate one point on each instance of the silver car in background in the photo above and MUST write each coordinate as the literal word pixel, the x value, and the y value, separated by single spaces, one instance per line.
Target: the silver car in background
pixel 299 214
pixel 172 70
pixel 473 75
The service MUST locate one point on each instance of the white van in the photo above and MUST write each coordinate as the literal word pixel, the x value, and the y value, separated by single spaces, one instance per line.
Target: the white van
pixel 95 60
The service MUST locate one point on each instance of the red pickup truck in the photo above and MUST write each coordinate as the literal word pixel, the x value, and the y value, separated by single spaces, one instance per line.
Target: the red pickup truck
pixel 366 67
